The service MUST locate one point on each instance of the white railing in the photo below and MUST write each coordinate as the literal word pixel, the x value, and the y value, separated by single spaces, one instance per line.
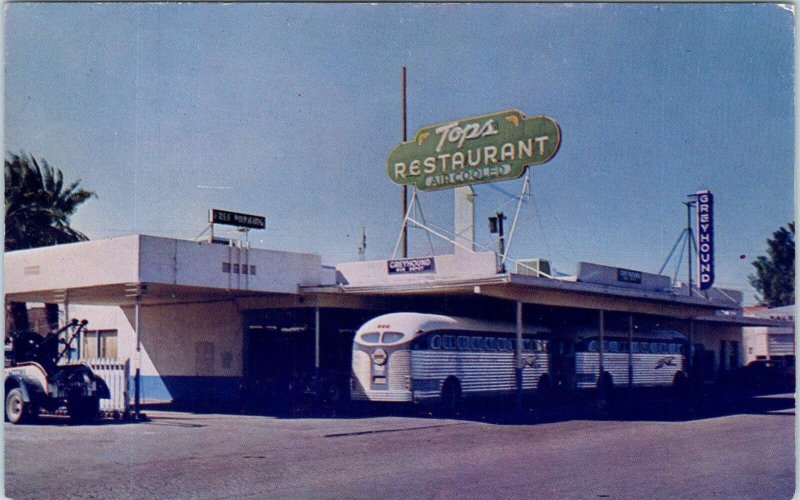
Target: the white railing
pixel 116 375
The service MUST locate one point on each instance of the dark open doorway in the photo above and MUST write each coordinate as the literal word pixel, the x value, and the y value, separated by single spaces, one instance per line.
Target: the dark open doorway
pixel 282 371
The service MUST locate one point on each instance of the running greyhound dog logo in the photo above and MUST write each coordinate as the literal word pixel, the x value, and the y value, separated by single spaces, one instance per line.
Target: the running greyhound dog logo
pixel 530 362
pixel 667 361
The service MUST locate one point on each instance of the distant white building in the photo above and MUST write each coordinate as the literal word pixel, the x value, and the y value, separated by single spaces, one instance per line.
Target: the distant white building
pixel 768 342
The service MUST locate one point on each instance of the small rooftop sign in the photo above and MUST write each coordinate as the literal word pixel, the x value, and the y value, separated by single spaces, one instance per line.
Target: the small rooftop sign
pixel 216 216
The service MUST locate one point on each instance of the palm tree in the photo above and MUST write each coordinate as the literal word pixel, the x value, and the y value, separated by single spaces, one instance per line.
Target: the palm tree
pixel 38 207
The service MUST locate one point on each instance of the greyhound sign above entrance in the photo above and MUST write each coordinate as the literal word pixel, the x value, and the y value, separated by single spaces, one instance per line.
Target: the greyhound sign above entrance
pixel 487 148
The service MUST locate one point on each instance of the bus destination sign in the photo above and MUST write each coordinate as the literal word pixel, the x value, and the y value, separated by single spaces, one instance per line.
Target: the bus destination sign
pixel 487 148
pixel 216 216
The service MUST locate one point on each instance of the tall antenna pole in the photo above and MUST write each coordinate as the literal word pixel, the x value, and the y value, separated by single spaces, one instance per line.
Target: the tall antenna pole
pixel 689 241
pixel 362 249
pixel 404 234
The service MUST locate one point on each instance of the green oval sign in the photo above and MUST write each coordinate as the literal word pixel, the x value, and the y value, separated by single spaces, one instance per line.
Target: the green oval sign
pixel 487 148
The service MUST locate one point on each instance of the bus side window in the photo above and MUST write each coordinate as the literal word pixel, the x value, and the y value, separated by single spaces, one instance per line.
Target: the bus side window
pixel 613 346
pixel 653 348
pixel 592 346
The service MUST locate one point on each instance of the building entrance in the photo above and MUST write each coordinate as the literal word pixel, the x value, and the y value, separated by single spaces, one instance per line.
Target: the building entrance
pixel 288 368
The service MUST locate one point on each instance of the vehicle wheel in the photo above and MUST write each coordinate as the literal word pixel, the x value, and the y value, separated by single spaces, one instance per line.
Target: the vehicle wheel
pixel 605 393
pixel 17 410
pixel 83 409
pixel 451 396
pixel 680 385
pixel 333 394
pixel 545 393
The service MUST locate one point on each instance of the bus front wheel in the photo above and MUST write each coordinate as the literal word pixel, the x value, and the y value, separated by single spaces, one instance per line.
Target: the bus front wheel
pixel 605 393
pixel 451 396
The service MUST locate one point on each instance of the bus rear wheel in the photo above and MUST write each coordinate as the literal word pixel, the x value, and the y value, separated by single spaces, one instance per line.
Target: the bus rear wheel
pixel 544 397
pixel 450 402
pixel 680 385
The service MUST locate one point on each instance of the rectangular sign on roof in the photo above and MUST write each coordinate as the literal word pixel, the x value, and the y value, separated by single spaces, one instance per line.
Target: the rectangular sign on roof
pixel 216 216
pixel 416 265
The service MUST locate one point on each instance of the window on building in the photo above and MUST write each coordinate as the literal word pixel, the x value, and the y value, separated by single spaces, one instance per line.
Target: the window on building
pixel 99 344
pixel 733 355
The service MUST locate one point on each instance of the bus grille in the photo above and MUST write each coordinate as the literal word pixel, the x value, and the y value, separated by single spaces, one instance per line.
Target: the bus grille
pixel 397 372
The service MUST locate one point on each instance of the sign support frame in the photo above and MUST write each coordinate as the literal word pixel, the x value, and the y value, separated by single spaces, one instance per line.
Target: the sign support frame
pixel 415 202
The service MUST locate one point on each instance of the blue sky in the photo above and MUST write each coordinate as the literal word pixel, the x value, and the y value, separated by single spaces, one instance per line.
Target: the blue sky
pixel 289 111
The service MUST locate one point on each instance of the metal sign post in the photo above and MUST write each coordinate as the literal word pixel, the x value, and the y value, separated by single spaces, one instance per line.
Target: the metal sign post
pixel 518 357
pixel 690 239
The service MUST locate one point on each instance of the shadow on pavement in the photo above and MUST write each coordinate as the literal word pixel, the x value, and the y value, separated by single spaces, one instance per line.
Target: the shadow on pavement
pixel 709 403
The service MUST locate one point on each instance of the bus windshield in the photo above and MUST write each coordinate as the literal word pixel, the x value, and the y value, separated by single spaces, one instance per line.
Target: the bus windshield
pixel 375 337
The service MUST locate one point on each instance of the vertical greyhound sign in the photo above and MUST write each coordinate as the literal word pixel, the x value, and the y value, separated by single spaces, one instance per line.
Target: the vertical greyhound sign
pixel 705 239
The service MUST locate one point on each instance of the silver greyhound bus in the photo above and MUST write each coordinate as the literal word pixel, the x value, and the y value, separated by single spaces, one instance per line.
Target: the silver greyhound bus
pixel 645 359
pixel 414 357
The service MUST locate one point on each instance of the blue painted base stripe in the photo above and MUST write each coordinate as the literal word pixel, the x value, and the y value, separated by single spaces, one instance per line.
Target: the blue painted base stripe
pixel 180 389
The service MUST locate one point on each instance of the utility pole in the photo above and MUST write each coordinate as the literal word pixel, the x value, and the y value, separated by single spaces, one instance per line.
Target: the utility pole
pixel 362 248
pixel 405 187
pixel 689 240
pixel 496 226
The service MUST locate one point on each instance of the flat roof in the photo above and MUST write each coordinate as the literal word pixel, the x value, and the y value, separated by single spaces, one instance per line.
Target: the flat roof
pixel 114 271
pixel 552 292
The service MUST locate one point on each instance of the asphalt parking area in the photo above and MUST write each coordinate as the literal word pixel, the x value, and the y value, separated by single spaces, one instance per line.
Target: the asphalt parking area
pixel 744 452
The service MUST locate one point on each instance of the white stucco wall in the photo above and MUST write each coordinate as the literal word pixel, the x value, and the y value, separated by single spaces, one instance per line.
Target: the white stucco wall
pixel 74 265
pixel 755 342
pixel 712 335
pixel 462 266
pixel 192 263
pixel 140 258
pixel 170 335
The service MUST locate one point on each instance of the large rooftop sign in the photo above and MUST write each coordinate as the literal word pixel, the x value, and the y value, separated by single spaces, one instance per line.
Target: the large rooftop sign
pixel 705 235
pixel 487 148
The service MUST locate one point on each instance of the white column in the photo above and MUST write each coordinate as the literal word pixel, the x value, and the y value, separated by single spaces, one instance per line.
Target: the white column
pixel 630 350
pixel 316 338
pixel 138 364
pixel 519 356
pixel 600 344
pixel 464 219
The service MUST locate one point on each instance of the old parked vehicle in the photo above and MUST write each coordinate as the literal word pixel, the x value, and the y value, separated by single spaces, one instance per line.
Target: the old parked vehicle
pixel 765 375
pixel 38 376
